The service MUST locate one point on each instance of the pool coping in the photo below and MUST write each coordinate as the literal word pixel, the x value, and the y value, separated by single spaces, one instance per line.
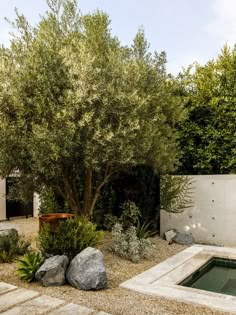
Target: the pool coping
pixel 162 280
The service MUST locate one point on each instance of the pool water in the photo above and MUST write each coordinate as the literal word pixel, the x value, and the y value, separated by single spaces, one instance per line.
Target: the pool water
pixel 217 275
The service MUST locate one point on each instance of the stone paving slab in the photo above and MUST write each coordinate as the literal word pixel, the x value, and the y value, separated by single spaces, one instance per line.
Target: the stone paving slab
pixel 72 309
pixel 12 298
pixel 5 287
pixel 37 306
pixel 19 301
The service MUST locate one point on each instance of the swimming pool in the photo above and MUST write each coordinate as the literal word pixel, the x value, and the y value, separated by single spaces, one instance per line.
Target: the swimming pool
pixel 217 275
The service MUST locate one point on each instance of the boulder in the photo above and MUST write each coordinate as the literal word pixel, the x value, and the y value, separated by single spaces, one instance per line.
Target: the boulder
pixel 183 239
pixel 87 271
pixel 169 235
pixel 52 272
pixel 10 232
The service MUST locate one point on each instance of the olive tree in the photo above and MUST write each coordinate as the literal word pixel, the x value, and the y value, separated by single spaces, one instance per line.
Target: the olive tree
pixel 76 106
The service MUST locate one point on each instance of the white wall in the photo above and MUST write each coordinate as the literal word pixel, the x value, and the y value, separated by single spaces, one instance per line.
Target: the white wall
pixel 2 199
pixel 36 204
pixel 212 218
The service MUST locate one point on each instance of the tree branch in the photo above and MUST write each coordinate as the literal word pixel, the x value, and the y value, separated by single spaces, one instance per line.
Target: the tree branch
pixel 107 175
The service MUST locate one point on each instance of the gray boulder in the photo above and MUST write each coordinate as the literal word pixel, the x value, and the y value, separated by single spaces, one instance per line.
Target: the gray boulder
pixel 52 272
pixel 87 271
pixel 10 232
pixel 183 239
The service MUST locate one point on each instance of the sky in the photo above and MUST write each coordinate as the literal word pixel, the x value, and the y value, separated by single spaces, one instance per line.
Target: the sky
pixel 187 30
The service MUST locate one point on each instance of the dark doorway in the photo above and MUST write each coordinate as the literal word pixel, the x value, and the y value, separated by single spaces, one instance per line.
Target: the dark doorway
pixel 16 208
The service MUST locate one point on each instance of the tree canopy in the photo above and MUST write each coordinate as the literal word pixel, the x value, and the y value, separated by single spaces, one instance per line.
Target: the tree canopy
pixel 208 136
pixel 76 105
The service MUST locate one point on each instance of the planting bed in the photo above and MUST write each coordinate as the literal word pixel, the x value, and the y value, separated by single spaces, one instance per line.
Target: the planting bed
pixel 114 300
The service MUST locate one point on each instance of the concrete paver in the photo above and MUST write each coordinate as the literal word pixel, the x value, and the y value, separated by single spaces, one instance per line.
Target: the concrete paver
pixel 72 309
pixel 19 301
pixel 37 306
pixel 5 287
pixel 12 298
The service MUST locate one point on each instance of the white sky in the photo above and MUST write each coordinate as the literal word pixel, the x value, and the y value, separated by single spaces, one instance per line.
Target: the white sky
pixel 188 30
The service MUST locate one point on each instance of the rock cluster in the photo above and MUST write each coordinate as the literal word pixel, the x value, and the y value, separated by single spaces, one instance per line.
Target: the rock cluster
pixel 86 271
pixel 180 238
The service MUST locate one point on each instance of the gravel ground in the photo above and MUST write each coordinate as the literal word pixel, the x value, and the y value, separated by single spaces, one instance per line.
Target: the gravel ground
pixel 114 300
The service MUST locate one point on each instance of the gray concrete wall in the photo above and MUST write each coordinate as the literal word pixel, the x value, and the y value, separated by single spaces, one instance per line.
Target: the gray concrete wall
pixel 212 218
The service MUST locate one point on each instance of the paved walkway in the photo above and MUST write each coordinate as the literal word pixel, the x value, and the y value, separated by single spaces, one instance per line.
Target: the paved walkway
pixel 18 301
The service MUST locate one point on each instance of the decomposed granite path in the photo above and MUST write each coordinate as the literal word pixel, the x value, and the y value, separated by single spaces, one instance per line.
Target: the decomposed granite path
pixel 17 301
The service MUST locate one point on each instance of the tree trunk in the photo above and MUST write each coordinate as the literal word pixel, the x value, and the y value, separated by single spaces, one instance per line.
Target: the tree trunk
pixel 70 197
pixel 89 200
pixel 87 192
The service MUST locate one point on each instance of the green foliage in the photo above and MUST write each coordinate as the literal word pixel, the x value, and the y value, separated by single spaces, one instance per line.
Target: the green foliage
pixel 143 230
pixel 22 245
pixel 207 137
pixel 130 218
pixel 109 221
pixel 51 202
pixel 28 266
pixel 117 105
pixel 70 237
pixel 176 193
pixel 130 214
pixel 127 244
pixel 140 185
pixel 11 246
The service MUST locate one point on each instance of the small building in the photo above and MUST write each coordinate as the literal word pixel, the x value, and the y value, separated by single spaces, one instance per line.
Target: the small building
pixel 13 208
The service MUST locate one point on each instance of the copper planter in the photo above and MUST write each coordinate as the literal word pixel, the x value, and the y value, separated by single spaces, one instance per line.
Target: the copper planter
pixel 53 219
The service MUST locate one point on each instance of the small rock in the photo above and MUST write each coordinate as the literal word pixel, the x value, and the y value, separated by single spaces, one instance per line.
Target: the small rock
pixel 87 271
pixel 169 235
pixel 183 239
pixel 52 272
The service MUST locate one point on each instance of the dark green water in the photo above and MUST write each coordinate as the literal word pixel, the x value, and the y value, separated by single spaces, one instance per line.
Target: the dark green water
pixel 218 275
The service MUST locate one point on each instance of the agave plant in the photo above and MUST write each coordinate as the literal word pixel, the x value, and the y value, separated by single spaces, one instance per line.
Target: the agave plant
pixel 143 230
pixel 28 266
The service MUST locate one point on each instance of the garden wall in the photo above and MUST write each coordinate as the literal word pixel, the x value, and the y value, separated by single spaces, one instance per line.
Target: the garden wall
pixel 212 218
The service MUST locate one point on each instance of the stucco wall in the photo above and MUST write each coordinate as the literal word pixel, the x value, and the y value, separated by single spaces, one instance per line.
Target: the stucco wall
pixel 2 199
pixel 212 218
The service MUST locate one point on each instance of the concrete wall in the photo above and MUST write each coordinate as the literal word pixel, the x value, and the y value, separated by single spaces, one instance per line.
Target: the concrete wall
pixel 212 218
pixel 3 201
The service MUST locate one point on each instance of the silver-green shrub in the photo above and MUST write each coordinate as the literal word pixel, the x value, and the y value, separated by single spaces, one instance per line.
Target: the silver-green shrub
pixel 127 245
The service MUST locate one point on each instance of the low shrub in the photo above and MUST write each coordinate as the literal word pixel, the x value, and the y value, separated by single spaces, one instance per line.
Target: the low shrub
pixel 110 221
pixel 11 246
pixel 69 238
pixel 127 245
pixel 130 216
pixel 28 266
